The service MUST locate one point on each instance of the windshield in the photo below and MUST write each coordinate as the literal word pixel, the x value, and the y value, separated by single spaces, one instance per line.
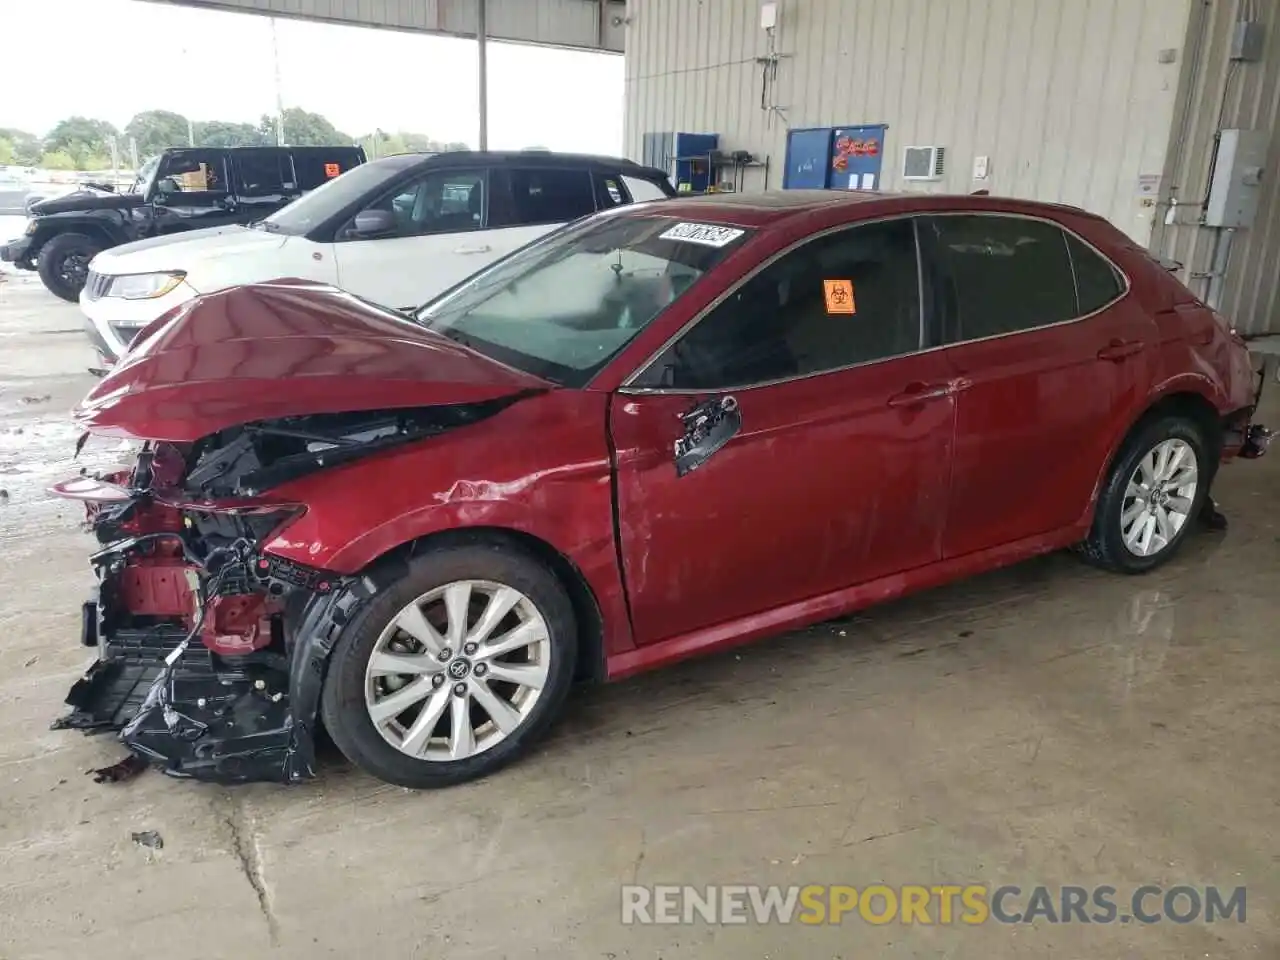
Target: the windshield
pixel 563 307
pixel 142 180
pixel 331 198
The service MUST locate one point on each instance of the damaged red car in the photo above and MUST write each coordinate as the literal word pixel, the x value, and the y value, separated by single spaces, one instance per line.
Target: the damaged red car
pixel 663 430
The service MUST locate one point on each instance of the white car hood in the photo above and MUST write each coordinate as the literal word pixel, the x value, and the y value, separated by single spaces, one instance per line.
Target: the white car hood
pixel 180 251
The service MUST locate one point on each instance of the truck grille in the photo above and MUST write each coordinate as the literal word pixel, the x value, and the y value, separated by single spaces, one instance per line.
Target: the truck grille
pixel 96 285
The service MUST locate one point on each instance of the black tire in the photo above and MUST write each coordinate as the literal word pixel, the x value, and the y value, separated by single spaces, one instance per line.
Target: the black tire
pixel 63 261
pixel 342 705
pixel 1105 545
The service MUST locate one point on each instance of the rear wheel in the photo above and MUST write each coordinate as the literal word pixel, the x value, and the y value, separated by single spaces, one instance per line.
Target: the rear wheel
pixel 1152 496
pixel 63 264
pixel 453 671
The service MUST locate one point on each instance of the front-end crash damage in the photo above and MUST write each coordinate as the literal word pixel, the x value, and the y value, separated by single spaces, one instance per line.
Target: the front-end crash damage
pixel 211 651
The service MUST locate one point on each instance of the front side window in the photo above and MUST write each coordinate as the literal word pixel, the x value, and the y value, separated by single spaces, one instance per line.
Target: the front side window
pixel 999 275
pixel 445 201
pixel 564 306
pixel 192 171
pixel 843 299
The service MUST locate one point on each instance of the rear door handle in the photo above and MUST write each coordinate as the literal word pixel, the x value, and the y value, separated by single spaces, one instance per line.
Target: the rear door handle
pixel 918 393
pixel 1119 349
pixel 481 249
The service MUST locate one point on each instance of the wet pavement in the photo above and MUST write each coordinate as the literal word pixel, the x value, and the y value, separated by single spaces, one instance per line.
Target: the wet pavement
pixel 1048 724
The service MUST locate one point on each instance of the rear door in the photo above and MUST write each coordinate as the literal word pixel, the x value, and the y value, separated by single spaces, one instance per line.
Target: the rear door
pixel 531 201
pixel 1050 355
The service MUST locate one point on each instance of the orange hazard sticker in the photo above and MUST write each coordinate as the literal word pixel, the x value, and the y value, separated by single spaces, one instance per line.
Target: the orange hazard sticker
pixel 332 169
pixel 839 296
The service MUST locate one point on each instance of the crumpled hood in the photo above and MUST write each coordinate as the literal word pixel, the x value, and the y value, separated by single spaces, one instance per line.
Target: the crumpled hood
pixel 86 199
pixel 283 349
pixel 180 251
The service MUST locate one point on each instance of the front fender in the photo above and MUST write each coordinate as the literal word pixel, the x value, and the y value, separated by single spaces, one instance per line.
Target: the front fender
pixel 50 226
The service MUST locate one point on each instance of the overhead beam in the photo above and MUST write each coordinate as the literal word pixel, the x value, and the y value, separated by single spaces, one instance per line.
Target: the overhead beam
pixel 597 25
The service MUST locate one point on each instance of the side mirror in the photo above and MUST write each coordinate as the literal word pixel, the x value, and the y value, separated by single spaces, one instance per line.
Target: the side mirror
pixel 707 427
pixel 372 223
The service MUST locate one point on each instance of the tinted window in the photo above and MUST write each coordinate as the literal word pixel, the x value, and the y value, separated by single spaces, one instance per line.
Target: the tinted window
pixel 265 174
pixel 562 307
pixel 847 298
pixel 443 201
pixel 608 191
pixel 1000 275
pixel 536 195
pixel 313 167
pixel 1097 282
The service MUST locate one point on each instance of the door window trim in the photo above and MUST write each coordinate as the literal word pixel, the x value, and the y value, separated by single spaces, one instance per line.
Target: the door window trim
pixel 927 322
pixel 1126 284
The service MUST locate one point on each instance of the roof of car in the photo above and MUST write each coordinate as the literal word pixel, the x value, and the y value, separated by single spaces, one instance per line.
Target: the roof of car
pixel 524 158
pixel 772 207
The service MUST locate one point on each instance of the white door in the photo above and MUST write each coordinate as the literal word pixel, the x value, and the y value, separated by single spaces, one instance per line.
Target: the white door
pixel 439 239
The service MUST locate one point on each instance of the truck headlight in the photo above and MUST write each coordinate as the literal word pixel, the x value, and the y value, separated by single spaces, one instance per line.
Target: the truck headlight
pixel 143 286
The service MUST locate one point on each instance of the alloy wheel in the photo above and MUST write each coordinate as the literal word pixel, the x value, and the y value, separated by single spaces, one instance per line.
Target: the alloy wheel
pixel 457 670
pixel 1159 497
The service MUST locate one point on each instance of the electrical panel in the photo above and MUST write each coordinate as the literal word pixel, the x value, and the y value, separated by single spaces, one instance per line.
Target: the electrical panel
pixel 1237 178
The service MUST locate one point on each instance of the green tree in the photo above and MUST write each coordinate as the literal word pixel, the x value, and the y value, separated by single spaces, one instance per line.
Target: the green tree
pixel 222 133
pixel 303 129
pixel 6 152
pixel 58 160
pixel 80 138
pixel 26 146
pixel 154 130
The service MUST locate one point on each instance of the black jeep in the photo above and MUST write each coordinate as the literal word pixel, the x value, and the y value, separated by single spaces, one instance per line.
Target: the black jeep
pixel 182 189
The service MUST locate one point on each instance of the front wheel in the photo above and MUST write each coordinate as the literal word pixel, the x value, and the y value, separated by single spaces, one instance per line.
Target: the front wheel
pixel 454 670
pixel 63 264
pixel 1152 496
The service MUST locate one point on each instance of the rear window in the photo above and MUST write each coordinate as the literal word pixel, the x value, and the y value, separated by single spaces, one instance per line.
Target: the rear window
pixel 563 307
pixel 1097 281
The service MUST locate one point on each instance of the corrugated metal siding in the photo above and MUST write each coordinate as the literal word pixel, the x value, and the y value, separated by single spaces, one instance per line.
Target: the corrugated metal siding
pixel 1067 97
pixel 565 23
pixel 1248 95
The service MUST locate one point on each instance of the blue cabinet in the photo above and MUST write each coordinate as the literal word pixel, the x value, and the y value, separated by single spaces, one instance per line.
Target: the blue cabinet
pixel 834 158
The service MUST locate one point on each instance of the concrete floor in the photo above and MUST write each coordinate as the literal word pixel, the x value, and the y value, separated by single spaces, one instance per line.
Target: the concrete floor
pixel 1048 724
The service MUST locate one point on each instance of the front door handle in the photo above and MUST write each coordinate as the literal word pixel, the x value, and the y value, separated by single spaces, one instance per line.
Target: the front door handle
pixel 481 249
pixel 1117 350
pixel 918 393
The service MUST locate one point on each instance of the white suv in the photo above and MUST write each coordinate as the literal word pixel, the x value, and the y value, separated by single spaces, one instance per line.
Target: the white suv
pixel 395 231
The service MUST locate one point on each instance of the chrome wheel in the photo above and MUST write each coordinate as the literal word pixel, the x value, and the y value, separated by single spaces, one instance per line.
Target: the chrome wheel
pixel 457 670
pixel 1159 497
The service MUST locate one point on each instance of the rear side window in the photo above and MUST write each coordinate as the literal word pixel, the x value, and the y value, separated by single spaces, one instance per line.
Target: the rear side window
pixel 1000 275
pixel 642 189
pixel 315 167
pixel 537 195
pixel 608 191
pixel 265 174
pixel 1097 281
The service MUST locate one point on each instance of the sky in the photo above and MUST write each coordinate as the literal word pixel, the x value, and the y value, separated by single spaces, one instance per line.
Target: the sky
pixel 115 58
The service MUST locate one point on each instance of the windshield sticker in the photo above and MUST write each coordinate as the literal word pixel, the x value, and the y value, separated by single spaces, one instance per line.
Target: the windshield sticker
pixel 707 234
pixel 839 296
pixel 332 169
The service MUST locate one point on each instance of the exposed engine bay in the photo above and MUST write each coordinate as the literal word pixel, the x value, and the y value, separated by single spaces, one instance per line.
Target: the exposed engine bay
pixel 211 653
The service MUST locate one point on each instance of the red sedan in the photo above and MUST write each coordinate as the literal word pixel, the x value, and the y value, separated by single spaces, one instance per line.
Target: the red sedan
pixel 663 430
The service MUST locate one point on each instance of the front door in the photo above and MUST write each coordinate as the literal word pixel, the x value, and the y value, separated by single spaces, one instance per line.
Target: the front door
pixel 1052 359
pixel 192 191
pixel 838 472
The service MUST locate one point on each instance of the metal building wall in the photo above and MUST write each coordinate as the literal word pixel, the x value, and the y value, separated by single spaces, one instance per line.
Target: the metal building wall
pixel 589 24
pixel 1068 98
pixel 1246 95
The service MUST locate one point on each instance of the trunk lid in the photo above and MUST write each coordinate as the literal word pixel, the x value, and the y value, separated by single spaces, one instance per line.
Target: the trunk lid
pixel 284 349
